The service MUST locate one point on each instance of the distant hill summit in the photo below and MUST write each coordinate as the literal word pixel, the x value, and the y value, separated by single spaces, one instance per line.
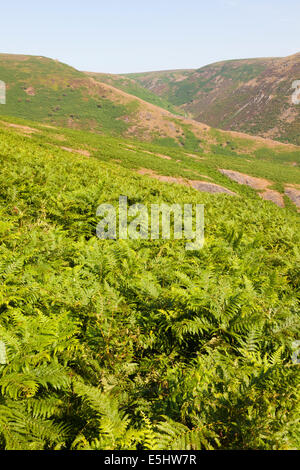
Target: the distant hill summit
pixel 249 95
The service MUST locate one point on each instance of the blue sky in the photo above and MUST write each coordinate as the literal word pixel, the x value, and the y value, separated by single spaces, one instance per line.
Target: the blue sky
pixel 134 36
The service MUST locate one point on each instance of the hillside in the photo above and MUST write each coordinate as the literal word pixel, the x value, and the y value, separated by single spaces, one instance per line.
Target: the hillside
pixel 140 344
pixel 251 95
pixel 271 173
pixel 48 91
pixel 131 86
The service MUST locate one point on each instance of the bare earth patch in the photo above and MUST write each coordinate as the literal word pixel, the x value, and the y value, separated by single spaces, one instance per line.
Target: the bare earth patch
pixel 165 157
pixel 274 196
pixel 86 153
pixel 30 91
pixel 164 178
pixel 24 129
pixel 130 148
pixel 242 178
pixel 210 187
pixel 258 184
pixel 202 186
pixel 293 192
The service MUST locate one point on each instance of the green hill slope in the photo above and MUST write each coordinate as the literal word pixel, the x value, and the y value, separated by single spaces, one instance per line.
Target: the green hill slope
pixel 48 91
pixel 126 344
pixel 129 85
pixel 271 172
pixel 251 95
pixel 51 92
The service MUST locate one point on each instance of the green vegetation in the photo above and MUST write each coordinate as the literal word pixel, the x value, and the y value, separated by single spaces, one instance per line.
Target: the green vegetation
pixel 46 90
pixel 141 344
pixel 132 154
pixel 181 86
pixel 249 95
pixel 133 88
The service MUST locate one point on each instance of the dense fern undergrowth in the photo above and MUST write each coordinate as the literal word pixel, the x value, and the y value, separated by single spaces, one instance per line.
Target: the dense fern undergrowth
pixel 141 344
